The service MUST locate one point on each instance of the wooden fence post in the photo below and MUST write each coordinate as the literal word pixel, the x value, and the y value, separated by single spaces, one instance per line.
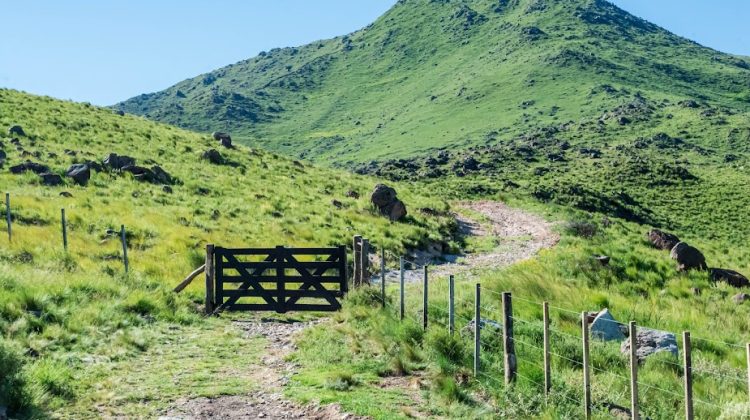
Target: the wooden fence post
pixel 687 374
pixel 477 329
pixel 451 307
pixel 401 289
pixel 634 411
pixel 209 279
pixel 64 229
pixel 8 217
pixel 748 368
pixel 124 241
pixel 509 347
pixel 586 373
pixel 547 360
pixel 425 302
pixel 382 274
pixel 357 248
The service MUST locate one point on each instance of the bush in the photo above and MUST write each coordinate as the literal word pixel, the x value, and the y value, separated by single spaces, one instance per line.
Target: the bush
pixel 581 228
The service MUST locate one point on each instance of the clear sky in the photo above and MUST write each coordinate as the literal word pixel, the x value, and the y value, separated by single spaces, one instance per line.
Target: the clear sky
pixel 106 51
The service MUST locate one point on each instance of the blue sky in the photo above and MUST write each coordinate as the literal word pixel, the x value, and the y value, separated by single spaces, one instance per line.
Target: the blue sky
pixel 106 51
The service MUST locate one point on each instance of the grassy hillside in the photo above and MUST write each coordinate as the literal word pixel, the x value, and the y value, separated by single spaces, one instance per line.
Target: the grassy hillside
pixel 71 322
pixel 457 73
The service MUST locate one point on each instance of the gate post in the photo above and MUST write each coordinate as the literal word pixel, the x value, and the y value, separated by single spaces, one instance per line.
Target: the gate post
pixel 209 279
pixel 357 249
pixel 365 261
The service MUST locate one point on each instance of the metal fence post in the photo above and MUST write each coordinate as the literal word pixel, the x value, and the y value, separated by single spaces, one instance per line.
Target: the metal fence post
pixel 509 348
pixel 401 288
pixel 477 329
pixel 64 229
pixel 586 373
pixel 124 241
pixel 451 307
pixel 425 302
pixel 634 411
pixel 687 374
pixel 547 360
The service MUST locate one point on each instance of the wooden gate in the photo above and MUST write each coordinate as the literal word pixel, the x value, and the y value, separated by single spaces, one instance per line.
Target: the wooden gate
pixel 280 279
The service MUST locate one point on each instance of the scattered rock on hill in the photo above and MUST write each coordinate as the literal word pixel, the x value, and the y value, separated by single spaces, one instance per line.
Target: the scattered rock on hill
pixel 688 103
pixel 352 194
pixel 51 179
pixel 80 173
pixel 224 138
pixel 167 189
pixel 662 240
pixel 484 324
pixel 114 161
pixel 16 130
pixel 160 176
pixel 139 172
pixel 213 156
pixel 688 257
pixel 740 298
pixel 385 199
pixel 66 194
pixel 650 341
pixel 605 327
pixel 37 168
pixel 3 156
pixel 120 112
pixel 730 277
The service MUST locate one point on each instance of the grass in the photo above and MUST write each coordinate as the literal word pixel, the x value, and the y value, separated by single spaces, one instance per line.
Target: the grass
pixel 66 312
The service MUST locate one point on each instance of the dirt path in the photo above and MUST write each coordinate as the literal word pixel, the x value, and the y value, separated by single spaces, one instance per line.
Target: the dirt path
pixel 519 236
pixel 267 402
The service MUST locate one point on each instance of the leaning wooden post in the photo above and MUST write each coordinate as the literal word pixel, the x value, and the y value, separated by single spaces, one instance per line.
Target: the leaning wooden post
pixel 547 359
pixel 357 248
pixel 477 329
pixel 633 371
pixel 451 307
pixel 124 241
pixel 8 217
pixel 401 288
pixel 209 279
pixel 425 303
pixel 365 261
pixel 687 374
pixel 382 275
pixel 64 229
pixel 509 347
pixel 586 373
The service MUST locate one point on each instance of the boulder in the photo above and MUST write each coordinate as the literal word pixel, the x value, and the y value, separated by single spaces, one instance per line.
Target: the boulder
pixel 740 298
pixel 167 189
pixel 382 195
pixel 650 341
pixel 352 194
pixel 16 130
pixel 484 324
pixel 120 112
pixel 160 176
pixel 603 259
pixel 66 194
pixel 396 210
pixel 95 166
pixel 213 156
pixel 114 161
pixel 470 164
pixel 730 277
pixel 662 240
pixel 218 135
pixel 3 156
pixel 37 168
pixel 606 328
pixel 688 257
pixel 80 173
pixel 51 179
pixel 139 173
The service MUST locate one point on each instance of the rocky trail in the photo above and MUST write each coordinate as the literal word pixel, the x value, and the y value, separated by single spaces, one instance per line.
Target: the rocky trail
pixel 519 234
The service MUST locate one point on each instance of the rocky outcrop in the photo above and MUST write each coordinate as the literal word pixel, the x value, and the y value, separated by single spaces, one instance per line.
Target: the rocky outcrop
pixel 50 179
pixel 662 240
pixel 385 199
pixel 16 130
pixel 650 341
pixel 730 277
pixel 688 257
pixel 116 162
pixel 37 168
pixel 213 156
pixel 224 138
pixel 155 175
pixel 80 173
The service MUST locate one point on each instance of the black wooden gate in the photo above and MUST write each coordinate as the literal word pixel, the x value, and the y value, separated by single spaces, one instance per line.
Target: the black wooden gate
pixel 280 279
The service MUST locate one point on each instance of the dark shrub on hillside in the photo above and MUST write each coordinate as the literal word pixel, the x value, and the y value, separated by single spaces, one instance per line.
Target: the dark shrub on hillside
pixel 581 228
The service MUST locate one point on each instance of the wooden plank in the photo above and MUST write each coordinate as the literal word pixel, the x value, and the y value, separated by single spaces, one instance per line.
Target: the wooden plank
pixel 290 265
pixel 209 278
pixel 295 307
pixel 365 261
pixel 343 267
pixel 634 410
pixel 280 286
pixel 311 281
pixel 509 346
pixel 687 359
pixel 245 285
pixel 297 294
pixel 287 279
pixel 251 282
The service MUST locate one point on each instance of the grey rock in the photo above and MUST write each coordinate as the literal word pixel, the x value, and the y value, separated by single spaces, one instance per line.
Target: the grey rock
pixel 16 130
pixel 160 176
pixel 382 195
pixel 50 179
pixel 213 156
pixel 114 161
pixel 66 194
pixel 730 277
pixel 688 257
pixel 80 173
pixel 650 341
pixel 605 327
pixel 662 240
pixel 740 298
pixel 37 168
pixel 484 324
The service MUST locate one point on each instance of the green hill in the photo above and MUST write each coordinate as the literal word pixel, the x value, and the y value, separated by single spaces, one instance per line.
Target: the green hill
pixel 67 318
pixel 456 73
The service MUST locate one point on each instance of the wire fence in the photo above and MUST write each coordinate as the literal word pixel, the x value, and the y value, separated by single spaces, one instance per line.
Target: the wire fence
pixel 569 364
